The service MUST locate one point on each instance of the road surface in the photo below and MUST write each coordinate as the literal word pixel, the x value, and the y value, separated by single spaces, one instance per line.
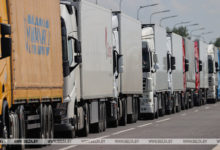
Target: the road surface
pixel 198 122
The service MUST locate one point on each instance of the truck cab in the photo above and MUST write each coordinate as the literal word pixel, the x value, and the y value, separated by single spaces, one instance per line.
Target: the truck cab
pixel 65 112
pixel 211 95
pixel 148 102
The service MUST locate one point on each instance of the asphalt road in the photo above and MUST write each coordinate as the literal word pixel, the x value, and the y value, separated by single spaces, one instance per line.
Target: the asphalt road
pixel 198 122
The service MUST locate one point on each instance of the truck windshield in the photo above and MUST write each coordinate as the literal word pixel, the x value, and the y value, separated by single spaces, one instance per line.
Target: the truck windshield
pixel 210 65
pixel 146 57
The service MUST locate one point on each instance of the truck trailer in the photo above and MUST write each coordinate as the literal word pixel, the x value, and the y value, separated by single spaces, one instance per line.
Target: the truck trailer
pixel 88 67
pixel 176 70
pixel 190 72
pixel 31 68
pixel 127 39
pixel 202 67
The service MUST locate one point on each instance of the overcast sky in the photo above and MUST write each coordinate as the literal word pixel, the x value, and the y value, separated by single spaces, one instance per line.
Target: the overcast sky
pixel 204 12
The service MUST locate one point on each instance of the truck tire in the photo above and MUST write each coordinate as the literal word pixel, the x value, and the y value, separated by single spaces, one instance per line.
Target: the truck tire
pixel 123 120
pixel 22 127
pixel 157 111
pixel 105 117
pixel 192 100
pixel 178 109
pixel 163 101
pixel 187 101
pixel 42 120
pixel 5 123
pixel 85 131
pixel 50 122
pixel 46 131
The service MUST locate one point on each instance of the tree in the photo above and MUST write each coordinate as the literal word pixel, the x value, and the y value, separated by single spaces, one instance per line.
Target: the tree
pixel 217 42
pixel 181 31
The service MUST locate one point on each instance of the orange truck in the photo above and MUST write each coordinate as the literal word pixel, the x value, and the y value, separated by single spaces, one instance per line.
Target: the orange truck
pixel 31 74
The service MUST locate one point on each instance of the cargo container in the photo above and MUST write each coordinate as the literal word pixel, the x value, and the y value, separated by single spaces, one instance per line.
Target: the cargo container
pixel 31 68
pixel 202 66
pixel 127 33
pixel 177 84
pixel 191 72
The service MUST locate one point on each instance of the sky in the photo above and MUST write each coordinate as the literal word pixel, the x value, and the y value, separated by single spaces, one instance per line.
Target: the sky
pixel 204 12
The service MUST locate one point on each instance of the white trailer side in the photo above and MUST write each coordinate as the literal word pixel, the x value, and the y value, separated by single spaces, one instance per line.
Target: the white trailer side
pixel 203 56
pixel 131 49
pixel 190 75
pixel 96 43
pixel 160 37
pixel 177 51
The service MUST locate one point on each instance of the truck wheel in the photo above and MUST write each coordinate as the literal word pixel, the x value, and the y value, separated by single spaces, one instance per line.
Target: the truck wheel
pixel 187 101
pixel 22 128
pixel 105 117
pixel 179 103
pixel 5 123
pixel 134 115
pixel 42 120
pixel 46 122
pixel 50 122
pixel 85 131
pixel 163 103
pixel 157 111
pixel 183 99
pixel 123 120
pixel 192 100
pixel 174 103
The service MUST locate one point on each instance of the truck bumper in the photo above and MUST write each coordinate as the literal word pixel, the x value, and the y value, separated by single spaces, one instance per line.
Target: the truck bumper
pixel 146 108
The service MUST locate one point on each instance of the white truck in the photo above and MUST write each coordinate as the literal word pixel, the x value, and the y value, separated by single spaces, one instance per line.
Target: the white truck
pixel 211 94
pixel 203 64
pixel 88 67
pixel 157 95
pixel 176 69
pixel 190 74
pixel 127 58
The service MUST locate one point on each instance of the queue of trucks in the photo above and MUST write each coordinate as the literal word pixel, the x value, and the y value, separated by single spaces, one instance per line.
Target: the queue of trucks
pixel 72 67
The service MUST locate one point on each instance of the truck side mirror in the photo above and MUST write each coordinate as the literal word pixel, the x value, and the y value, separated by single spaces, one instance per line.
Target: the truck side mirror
pixel 155 57
pixel 173 67
pixel 120 64
pixel 173 63
pixel 210 65
pixel 186 65
pixel 216 66
pixel 78 59
pixel 77 44
pixel 200 65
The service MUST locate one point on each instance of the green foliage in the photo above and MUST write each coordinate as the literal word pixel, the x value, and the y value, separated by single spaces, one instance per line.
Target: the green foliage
pixel 217 42
pixel 181 31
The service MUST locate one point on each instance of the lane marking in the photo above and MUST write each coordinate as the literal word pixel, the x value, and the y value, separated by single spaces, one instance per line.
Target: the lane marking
pixel 196 110
pixel 144 125
pixel 102 137
pixel 68 147
pixel 184 114
pixel 90 140
pixel 119 132
pixel 163 120
pixel 207 107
